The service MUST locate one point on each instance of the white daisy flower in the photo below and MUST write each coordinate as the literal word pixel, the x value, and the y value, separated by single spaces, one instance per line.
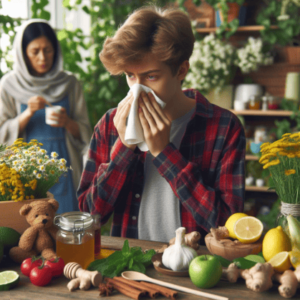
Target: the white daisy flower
pixel 38 176
pixel 42 168
pixel 54 155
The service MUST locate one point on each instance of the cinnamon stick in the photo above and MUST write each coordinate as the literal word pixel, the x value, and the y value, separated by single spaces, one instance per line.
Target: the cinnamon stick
pixel 162 290
pixel 152 292
pixel 125 289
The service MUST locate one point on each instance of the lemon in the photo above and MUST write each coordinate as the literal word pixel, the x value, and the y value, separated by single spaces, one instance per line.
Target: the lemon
pixel 231 221
pixel 295 258
pixel 248 229
pixel 280 262
pixel 275 241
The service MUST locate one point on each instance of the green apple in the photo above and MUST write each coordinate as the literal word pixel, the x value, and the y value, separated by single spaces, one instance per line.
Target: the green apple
pixel 205 271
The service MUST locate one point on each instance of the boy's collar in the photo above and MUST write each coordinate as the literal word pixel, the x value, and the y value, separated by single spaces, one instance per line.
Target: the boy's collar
pixel 203 106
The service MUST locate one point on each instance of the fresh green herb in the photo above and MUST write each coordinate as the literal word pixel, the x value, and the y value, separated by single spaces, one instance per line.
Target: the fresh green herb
pixel 244 263
pixel 127 259
pixel 224 262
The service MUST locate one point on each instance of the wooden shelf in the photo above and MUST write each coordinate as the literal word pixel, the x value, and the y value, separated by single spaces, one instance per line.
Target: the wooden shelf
pixel 263 189
pixel 240 29
pixel 251 157
pixel 271 113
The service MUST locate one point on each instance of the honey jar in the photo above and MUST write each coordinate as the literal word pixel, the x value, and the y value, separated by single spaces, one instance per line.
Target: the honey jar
pixel 75 240
pixel 254 102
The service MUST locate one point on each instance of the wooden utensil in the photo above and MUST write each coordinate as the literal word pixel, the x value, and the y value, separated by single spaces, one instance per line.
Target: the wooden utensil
pixel 48 103
pixel 132 275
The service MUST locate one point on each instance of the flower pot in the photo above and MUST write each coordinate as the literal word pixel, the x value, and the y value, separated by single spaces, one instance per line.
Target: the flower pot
pixel 293 55
pixel 235 12
pixel 223 98
pixel 10 214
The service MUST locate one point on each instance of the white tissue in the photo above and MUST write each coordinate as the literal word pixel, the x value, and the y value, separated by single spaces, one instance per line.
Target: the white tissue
pixel 134 131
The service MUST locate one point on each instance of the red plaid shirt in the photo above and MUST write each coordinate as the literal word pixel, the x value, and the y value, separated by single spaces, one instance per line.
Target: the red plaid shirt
pixel 206 174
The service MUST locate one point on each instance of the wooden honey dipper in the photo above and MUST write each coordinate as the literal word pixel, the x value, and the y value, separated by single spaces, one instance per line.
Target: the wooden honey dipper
pixel 81 278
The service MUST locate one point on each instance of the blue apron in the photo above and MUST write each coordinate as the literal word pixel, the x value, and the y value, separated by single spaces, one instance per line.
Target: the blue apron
pixel 53 140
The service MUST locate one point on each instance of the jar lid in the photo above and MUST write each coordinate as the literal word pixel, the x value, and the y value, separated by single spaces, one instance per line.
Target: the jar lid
pixel 74 221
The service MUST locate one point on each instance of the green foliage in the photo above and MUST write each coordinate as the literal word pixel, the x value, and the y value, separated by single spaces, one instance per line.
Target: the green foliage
pixel 127 259
pixel 38 9
pixel 288 28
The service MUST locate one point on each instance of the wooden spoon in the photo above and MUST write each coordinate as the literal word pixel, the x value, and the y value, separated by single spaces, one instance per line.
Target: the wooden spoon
pixel 132 275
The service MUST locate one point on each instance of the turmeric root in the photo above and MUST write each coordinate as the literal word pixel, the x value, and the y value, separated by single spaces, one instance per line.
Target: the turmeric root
pixel 219 233
pixel 289 283
pixel 191 239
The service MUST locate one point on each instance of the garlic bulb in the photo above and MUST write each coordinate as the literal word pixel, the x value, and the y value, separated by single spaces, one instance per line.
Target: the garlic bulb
pixel 178 256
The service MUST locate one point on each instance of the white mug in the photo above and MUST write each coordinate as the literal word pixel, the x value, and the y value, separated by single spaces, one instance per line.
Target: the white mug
pixel 49 111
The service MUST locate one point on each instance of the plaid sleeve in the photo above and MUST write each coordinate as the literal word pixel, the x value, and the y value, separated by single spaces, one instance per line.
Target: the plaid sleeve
pixel 208 205
pixel 105 171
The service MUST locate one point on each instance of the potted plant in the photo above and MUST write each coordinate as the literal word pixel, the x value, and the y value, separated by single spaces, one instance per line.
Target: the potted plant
pixel 211 66
pixel 229 13
pixel 27 172
pixel 285 16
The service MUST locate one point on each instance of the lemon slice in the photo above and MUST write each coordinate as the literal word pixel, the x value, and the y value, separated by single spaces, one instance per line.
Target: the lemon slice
pixel 231 221
pixel 8 280
pixel 281 261
pixel 248 229
pixel 295 258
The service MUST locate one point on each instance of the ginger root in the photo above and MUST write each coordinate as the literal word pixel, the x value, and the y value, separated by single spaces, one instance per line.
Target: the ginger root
pixel 191 239
pixel 258 278
pixel 289 283
pixel 232 273
pixel 219 233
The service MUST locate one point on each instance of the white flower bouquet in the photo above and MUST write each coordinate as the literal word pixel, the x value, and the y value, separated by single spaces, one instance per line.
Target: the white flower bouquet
pixel 252 56
pixel 210 64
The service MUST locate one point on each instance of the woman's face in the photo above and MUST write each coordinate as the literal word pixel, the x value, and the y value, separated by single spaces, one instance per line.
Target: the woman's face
pixel 40 55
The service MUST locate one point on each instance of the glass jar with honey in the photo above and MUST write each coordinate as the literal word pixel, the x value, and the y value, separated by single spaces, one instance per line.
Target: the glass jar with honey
pixel 254 102
pixel 75 240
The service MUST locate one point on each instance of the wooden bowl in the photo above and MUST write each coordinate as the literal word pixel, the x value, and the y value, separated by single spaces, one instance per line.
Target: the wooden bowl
pixel 231 249
pixel 159 267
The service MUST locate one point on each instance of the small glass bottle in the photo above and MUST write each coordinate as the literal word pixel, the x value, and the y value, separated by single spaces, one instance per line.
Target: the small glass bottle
pixel 75 241
pixel 97 233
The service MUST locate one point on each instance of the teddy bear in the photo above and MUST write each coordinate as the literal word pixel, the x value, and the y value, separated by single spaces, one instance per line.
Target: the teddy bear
pixel 39 238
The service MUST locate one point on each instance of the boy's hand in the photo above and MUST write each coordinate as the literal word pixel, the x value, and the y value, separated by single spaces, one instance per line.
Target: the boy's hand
pixel 120 119
pixel 156 125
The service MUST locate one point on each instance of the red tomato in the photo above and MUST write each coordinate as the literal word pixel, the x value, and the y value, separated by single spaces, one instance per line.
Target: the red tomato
pixel 40 276
pixel 28 264
pixel 56 265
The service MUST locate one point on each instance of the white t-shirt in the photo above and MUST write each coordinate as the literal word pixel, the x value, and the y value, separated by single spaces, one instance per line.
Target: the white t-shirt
pixel 159 213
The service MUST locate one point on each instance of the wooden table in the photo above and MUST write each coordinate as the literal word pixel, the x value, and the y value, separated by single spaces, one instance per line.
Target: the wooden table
pixel 57 289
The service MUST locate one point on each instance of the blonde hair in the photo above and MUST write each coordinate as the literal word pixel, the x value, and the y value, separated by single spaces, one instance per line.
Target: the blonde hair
pixel 165 33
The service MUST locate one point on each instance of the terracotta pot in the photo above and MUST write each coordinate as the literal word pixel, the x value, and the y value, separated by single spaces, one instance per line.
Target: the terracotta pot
pixel 10 215
pixel 293 55
pixel 233 12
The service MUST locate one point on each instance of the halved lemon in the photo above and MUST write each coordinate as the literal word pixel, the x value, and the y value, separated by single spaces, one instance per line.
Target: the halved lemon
pixel 281 261
pixel 248 229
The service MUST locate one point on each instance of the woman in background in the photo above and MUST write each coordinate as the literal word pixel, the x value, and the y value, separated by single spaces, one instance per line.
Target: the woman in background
pixel 38 78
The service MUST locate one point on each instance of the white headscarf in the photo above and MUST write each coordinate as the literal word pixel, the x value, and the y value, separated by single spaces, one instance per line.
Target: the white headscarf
pixel 21 85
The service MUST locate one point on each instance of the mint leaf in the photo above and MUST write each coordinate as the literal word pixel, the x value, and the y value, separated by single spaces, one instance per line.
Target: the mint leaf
pixel 125 249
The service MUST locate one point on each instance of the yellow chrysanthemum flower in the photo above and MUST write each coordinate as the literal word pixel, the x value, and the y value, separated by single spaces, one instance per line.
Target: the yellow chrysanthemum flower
pixel 289 172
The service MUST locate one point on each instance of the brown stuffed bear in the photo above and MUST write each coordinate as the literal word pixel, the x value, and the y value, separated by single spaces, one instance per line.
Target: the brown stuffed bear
pixel 39 238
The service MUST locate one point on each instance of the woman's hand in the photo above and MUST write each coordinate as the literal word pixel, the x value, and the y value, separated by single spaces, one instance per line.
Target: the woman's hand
pixel 120 119
pixel 155 124
pixel 61 118
pixel 34 104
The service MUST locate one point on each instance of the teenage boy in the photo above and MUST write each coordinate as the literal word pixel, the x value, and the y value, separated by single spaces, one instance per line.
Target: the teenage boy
pixel 193 173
